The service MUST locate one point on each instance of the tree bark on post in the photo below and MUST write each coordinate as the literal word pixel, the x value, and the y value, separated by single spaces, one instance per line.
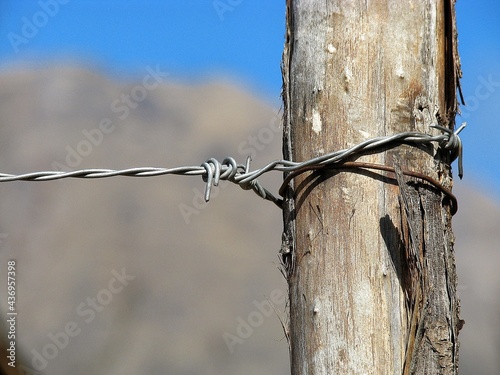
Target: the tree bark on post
pixel 368 256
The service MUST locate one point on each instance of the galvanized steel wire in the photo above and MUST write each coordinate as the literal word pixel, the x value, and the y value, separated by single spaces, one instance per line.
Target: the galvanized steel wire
pixel 212 171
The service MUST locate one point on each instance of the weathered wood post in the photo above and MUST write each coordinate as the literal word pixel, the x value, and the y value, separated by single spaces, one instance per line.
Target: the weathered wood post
pixel 370 264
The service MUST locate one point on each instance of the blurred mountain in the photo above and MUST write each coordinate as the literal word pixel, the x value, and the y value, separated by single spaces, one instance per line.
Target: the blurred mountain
pixel 139 275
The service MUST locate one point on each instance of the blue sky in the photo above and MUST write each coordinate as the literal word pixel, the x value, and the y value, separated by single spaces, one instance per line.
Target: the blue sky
pixel 241 40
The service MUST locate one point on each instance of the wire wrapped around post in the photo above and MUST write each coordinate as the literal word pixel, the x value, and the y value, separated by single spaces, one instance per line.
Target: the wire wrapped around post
pixel 212 171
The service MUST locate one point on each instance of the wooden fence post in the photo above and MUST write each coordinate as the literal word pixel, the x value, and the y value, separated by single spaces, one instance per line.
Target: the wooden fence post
pixel 369 257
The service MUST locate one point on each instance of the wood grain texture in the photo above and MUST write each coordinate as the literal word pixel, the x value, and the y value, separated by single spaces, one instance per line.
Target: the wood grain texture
pixel 369 259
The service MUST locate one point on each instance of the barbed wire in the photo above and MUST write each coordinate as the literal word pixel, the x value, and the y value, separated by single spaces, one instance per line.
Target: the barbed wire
pixel 213 171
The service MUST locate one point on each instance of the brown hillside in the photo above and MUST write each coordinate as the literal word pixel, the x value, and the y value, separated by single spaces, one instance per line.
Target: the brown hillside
pixel 198 274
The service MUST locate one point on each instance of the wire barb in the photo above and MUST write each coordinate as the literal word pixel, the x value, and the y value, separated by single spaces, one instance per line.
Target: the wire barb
pixel 212 171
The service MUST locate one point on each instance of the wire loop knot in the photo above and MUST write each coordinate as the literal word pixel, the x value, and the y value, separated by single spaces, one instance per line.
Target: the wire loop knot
pixel 453 143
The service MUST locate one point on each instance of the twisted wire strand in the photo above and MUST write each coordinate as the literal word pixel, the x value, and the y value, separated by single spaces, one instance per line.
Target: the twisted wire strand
pixel 213 171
